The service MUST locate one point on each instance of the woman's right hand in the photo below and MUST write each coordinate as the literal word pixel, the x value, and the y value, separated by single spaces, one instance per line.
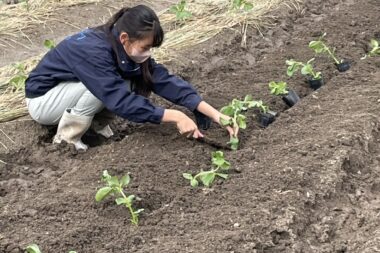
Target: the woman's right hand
pixel 185 125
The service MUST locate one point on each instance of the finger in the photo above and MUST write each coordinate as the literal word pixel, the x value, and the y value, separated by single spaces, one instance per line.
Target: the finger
pixel 230 131
pixel 189 134
pixel 197 134
pixel 236 131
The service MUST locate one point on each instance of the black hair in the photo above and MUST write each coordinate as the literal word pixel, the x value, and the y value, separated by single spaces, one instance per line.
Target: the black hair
pixel 138 22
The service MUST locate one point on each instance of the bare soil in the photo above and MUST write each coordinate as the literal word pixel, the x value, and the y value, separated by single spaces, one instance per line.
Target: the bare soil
pixel 307 183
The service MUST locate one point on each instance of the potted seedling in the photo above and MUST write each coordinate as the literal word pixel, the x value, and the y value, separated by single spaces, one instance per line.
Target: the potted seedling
pixel 237 119
pixel 266 116
pixel 220 167
pixel 115 187
pixel 290 97
pixel 314 78
pixel 320 47
pixel 374 51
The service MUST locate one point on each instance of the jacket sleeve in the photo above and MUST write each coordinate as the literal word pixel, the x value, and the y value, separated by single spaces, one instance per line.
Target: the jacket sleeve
pixel 99 74
pixel 174 88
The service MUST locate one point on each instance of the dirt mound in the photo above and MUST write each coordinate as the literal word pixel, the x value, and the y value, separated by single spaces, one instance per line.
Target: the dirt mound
pixel 307 183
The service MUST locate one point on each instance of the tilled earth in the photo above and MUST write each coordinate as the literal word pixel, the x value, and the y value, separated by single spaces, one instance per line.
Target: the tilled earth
pixel 307 183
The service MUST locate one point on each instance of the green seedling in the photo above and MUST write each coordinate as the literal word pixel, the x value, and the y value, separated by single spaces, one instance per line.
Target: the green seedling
pixel 115 187
pixel 49 44
pixel 18 81
pixel 306 69
pixel 374 51
pixel 220 166
pixel 33 248
pixel 180 12
pixel 261 106
pixel 320 47
pixel 241 5
pixel 237 120
pixel 278 89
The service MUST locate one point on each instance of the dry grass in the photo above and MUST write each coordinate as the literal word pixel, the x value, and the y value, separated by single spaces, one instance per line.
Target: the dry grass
pixel 15 19
pixel 209 18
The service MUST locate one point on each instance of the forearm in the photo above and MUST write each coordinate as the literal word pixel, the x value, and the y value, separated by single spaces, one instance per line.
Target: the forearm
pixel 209 111
pixel 173 116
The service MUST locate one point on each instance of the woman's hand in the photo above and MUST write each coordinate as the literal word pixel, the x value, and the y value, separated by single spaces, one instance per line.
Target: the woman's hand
pixel 215 115
pixel 185 125
pixel 233 131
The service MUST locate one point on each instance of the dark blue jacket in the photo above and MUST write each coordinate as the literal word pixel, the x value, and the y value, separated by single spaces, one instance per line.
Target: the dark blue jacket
pixel 89 57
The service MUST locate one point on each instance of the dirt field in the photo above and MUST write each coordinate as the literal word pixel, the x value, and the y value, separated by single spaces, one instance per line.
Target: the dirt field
pixel 307 183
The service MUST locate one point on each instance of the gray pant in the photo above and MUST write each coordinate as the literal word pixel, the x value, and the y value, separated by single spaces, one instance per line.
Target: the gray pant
pixel 49 108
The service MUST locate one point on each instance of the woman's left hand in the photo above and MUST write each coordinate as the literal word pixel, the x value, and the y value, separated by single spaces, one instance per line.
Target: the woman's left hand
pixel 215 115
pixel 233 131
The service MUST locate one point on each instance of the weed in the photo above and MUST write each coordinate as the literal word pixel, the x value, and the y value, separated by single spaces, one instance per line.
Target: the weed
pixel 49 44
pixel 241 5
pixel 180 12
pixel 18 81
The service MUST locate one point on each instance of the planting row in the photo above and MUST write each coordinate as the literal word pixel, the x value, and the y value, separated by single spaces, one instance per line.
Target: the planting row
pixel 115 186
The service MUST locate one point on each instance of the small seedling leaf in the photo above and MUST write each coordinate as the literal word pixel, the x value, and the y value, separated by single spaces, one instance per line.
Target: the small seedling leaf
pixel 102 193
pixel 293 66
pixel 130 198
pixel 183 15
pixel 187 176
pixel 207 178
pixel 248 6
pixel 241 121
pixel 225 166
pixel 374 43
pixel 224 176
pixel 307 70
pixel 113 181
pixel 194 182
pixel 138 211
pixel 105 175
pixel 173 9
pixel 318 46
pixel 72 251
pixel 33 248
pixel 225 122
pixel 125 180
pixel 234 142
pixel 279 88
pixel 228 110
pixel 248 98
pixel 121 201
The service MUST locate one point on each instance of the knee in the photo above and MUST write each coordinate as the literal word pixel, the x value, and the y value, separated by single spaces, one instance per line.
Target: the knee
pixel 88 105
